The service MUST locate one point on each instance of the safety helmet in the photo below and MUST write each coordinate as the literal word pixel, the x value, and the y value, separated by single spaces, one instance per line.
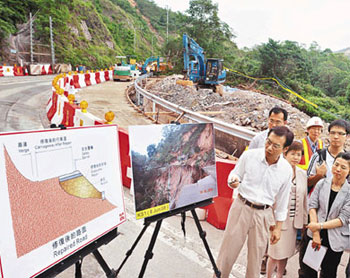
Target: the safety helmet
pixel 314 121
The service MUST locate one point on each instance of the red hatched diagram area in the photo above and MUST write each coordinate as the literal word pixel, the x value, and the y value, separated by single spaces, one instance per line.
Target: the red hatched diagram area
pixel 42 211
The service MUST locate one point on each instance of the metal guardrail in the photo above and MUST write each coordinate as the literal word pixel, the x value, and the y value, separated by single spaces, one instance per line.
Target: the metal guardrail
pixel 231 129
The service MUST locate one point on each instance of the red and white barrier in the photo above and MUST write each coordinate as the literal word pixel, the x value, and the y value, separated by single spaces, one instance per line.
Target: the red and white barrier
pixel 58 115
pixel 60 111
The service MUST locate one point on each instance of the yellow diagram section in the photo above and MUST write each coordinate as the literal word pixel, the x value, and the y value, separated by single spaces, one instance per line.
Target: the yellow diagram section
pixel 77 185
pixel 152 211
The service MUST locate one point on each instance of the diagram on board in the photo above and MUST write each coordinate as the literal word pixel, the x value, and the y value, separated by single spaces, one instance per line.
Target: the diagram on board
pixel 59 190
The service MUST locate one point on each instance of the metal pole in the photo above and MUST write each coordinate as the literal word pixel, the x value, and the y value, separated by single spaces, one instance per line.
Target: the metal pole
pixel 167 23
pixel 31 38
pixel 52 46
pixel 134 39
pixel 152 45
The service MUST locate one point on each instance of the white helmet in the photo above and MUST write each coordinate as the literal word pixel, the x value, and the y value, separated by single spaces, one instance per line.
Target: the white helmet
pixel 314 121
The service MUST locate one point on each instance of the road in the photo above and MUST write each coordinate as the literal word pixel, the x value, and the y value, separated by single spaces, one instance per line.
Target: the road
pixel 22 107
pixel 23 101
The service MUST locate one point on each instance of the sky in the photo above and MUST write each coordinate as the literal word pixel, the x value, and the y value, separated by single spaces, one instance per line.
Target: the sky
pixel 255 21
pixel 139 142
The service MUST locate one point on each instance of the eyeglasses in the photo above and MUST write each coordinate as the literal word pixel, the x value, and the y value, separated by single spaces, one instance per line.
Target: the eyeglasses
pixel 332 133
pixel 274 146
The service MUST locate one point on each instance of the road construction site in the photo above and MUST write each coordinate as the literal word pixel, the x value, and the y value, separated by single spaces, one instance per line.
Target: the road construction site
pixel 174 254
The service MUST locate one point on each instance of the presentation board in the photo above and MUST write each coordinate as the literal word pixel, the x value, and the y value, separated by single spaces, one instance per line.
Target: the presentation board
pixel 59 191
pixel 173 166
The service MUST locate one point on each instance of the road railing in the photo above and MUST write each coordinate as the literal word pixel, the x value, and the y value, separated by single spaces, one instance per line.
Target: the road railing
pixel 192 116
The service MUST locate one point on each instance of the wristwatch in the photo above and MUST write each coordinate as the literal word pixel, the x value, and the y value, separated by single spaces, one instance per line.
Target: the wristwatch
pixel 321 226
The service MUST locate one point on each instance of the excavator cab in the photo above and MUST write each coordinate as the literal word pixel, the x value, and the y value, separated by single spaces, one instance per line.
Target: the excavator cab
pixel 214 71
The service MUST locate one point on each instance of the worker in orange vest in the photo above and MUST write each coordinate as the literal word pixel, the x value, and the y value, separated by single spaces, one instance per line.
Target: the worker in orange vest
pixel 311 143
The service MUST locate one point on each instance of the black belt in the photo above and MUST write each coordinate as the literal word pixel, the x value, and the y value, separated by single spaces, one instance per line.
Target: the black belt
pixel 250 204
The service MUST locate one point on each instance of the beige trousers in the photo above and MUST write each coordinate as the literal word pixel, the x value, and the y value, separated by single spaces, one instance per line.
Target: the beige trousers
pixel 244 221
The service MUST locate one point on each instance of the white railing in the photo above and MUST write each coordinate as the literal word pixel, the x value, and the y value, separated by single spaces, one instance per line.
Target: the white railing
pixel 231 129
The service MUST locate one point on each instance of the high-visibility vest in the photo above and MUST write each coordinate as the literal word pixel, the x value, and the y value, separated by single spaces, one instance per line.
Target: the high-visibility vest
pixel 305 160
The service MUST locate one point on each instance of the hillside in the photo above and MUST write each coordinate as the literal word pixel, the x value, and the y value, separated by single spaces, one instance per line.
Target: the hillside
pixel 93 32
pixel 345 51
pixel 88 32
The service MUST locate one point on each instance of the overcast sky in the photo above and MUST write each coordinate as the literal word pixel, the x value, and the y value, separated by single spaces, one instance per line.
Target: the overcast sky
pixel 254 21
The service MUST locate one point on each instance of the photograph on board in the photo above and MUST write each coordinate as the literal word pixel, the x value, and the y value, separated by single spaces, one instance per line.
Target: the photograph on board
pixel 173 166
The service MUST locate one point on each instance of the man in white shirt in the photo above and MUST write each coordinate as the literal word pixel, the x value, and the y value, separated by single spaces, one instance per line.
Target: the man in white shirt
pixel 262 176
pixel 277 117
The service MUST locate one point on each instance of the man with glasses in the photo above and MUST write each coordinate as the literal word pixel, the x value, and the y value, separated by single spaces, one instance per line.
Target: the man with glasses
pixel 312 142
pixel 321 162
pixel 277 117
pixel 263 178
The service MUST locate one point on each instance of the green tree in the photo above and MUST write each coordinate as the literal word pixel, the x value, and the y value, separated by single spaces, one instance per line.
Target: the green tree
pixel 206 28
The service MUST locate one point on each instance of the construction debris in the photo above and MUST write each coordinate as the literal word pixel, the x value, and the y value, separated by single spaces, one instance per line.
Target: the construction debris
pixel 240 107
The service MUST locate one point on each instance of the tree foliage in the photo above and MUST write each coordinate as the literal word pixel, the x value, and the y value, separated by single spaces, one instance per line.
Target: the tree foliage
pixel 319 75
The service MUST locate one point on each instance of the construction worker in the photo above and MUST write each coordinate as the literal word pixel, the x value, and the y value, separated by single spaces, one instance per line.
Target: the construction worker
pixel 311 143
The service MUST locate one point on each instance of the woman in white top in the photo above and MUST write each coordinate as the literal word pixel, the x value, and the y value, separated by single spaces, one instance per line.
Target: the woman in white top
pixel 296 218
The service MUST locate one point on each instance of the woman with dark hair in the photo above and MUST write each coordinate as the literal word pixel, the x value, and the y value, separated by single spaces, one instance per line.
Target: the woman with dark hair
pixel 329 210
pixel 297 215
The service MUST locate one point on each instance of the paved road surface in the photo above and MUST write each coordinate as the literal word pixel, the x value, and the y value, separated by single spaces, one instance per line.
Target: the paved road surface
pixel 23 101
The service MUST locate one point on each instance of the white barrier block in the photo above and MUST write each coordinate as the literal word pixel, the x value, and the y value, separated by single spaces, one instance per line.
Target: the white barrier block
pixel 102 76
pixel 84 119
pixel 58 117
pixel 82 80
pixel 93 78
pixel 8 71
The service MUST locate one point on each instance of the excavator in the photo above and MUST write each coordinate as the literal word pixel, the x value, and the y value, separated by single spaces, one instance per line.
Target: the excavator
pixel 148 61
pixel 204 72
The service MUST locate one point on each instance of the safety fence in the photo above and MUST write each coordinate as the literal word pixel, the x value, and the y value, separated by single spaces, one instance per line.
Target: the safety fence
pixel 15 70
pixel 33 69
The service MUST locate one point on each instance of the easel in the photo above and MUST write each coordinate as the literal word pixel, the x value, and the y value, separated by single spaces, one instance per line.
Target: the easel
pixel 159 218
pixel 77 258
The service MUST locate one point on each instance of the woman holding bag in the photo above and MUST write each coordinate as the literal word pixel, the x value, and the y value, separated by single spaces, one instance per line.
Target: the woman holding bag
pixel 297 215
pixel 329 210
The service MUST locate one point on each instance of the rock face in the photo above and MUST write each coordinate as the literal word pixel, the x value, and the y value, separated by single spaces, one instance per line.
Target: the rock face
pixel 182 160
pixel 243 108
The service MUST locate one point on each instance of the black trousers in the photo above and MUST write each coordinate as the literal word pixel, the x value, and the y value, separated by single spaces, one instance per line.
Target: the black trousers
pixel 329 264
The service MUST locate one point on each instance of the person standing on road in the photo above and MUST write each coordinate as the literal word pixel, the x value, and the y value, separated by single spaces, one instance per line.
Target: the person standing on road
pixel 312 142
pixel 329 211
pixel 277 117
pixel 297 215
pixel 262 176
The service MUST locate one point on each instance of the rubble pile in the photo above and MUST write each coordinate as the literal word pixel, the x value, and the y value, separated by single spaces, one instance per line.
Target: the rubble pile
pixel 243 108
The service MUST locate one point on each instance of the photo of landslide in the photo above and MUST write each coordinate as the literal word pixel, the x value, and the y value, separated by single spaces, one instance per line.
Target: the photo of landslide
pixel 178 170
pixel 43 211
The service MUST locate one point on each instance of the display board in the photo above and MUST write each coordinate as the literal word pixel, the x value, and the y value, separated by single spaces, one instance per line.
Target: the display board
pixel 173 166
pixel 59 191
